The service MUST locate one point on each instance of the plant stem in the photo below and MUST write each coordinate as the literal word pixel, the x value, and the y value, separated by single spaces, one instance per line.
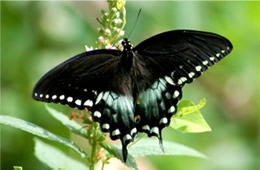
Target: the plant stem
pixel 94 149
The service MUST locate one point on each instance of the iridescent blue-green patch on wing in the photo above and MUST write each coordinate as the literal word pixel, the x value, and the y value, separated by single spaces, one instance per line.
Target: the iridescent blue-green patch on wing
pixel 115 113
pixel 156 106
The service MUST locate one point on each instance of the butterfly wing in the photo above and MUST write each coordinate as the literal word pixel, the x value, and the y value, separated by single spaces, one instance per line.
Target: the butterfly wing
pixel 92 80
pixel 174 58
pixel 183 54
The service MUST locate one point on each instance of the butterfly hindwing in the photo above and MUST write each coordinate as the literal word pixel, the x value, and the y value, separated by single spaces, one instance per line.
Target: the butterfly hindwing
pixel 156 106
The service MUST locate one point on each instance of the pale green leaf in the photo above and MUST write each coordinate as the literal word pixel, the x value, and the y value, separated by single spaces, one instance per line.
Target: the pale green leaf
pixel 38 131
pixel 148 146
pixel 54 158
pixel 18 168
pixel 186 107
pixel 189 119
pixel 70 124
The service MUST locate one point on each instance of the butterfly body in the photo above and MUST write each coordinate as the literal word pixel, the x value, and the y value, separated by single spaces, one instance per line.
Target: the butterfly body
pixel 137 89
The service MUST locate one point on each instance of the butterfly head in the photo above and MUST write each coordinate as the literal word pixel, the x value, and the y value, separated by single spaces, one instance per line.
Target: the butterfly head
pixel 127 44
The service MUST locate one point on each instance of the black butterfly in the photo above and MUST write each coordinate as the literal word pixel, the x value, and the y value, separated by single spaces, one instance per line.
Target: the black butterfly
pixel 137 89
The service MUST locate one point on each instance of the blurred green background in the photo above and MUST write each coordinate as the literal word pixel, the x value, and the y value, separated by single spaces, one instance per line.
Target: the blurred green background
pixel 36 36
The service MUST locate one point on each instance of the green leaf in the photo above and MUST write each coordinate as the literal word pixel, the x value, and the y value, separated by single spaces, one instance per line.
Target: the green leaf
pixel 70 124
pixel 18 168
pixel 148 146
pixel 186 107
pixel 54 158
pixel 189 119
pixel 38 131
pixel 116 151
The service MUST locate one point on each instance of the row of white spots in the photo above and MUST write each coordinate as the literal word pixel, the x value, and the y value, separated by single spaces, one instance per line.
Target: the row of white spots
pixel 152 130
pixel 168 96
pixel 69 99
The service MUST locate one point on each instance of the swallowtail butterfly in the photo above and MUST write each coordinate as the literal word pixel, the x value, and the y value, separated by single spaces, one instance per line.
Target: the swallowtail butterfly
pixel 137 89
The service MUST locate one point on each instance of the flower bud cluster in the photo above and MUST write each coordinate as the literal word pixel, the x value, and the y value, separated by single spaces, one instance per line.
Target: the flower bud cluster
pixel 112 24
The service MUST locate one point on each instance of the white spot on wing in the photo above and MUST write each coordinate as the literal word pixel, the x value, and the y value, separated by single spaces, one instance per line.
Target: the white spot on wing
pixel 97 114
pixel 106 126
pixel 85 90
pixel 146 127
pixel 218 54
pixel 62 97
pixel 35 94
pixel 169 80
pixel 133 131
pixel 164 120
pixel 116 132
pixel 69 99
pixel 182 80
pixel 205 62
pixel 47 96
pixel 88 103
pixel 212 58
pixel 155 130
pixel 198 68
pixel 171 110
pixel 94 91
pixel 54 97
pixel 127 137
pixel 41 95
pixel 78 102
pixel 100 95
pixel 223 51
pixel 191 74
pixel 176 94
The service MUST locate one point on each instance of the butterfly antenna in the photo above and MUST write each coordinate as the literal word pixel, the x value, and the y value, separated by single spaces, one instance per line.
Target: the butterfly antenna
pixel 137 17
pixel 98 20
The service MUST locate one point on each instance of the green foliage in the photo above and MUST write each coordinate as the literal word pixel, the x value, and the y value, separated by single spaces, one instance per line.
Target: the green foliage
pixel 54 158
pixel 18 168
pixel 189 119
pixel 72 125
pixel 148 147
pixel 39 131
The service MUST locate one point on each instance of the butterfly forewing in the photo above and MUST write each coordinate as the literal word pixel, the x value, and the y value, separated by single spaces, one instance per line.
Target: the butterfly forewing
pixel 184 54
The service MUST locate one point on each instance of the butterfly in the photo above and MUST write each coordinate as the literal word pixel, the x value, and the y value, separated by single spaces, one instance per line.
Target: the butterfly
pixel 136 89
